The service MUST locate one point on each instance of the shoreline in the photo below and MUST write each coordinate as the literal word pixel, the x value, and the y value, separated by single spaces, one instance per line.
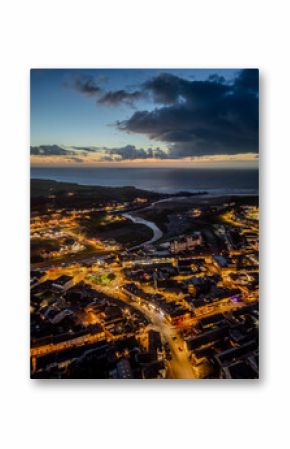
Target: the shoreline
pixel 208 193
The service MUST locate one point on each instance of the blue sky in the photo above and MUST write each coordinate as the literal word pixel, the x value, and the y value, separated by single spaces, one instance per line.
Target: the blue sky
pixel 60 115
pixel 182 112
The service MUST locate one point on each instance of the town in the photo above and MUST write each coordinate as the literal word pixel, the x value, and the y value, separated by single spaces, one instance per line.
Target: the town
pixel 132 284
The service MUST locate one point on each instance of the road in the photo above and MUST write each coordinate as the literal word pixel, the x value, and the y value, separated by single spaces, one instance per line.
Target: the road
pixel 179 366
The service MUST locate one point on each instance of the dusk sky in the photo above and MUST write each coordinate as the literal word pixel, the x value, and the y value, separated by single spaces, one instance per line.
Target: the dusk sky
pixel 129 116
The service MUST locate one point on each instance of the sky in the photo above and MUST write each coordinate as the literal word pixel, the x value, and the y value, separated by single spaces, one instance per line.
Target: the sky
pixel 144 117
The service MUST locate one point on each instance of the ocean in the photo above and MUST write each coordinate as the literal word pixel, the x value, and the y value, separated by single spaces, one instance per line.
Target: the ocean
pixel 164 180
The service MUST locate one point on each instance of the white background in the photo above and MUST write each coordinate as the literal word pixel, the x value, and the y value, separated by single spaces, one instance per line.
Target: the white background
pixel 58 414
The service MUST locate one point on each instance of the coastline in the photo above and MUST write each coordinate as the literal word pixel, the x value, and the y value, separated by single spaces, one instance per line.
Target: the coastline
pixel 209 193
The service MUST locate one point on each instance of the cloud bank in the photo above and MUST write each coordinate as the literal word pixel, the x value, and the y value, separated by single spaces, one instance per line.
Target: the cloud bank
pixel 192 117
pixel 200 117
pixel 114 98
pixel 50 150
pixel 81 154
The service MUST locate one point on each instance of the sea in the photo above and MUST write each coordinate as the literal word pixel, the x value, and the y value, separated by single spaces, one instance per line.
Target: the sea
pixel 216 181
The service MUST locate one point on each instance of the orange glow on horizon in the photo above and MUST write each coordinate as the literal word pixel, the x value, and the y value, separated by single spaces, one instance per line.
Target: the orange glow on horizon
pixel 248 159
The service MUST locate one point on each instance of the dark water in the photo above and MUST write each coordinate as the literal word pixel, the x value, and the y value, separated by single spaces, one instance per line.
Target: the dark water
pixel 213 180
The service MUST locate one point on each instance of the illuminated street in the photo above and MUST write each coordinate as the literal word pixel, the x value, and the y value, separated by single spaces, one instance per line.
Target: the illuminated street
pixel 173 307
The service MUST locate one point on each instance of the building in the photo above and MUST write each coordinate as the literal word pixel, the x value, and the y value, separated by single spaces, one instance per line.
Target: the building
pixel 188 243
pixel 124 369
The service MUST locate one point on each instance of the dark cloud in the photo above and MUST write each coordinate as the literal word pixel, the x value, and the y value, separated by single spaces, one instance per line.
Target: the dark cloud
pixel 85 84
pixel 90 86
pixel 170 89
pixel 201 117
pixel 130 152
pixel 165 88
pixel 248 80
pixel 114 98
pixel 50 150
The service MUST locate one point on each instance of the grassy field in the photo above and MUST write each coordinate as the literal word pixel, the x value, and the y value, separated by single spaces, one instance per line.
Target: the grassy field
pixel 102 279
